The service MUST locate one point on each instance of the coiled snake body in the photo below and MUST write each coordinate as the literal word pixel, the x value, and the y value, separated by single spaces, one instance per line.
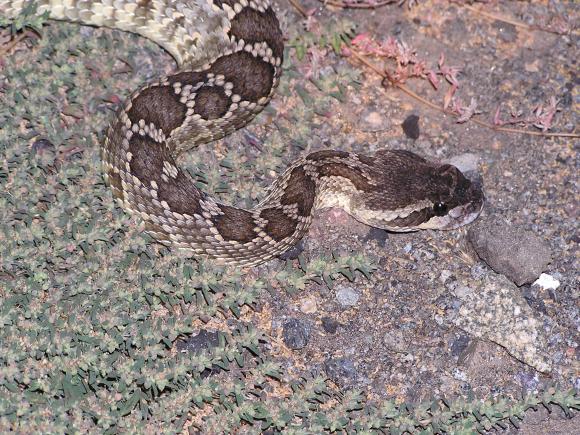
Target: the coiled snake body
pixel 229 54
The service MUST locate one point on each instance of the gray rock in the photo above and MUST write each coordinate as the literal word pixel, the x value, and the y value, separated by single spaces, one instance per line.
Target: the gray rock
pixel 478 271
pixel 459 374
pixel 462 291
pixel 340 369
pixel 465 162
pixel 498 312
pixel 513 252
pixel 397 341
pixel 296 333
pixel 196 344
pixel 330 325
pixel 202 342
pixel 347 296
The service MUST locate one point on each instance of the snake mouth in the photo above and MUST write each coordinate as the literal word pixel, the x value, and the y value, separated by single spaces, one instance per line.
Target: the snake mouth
pixel 462 214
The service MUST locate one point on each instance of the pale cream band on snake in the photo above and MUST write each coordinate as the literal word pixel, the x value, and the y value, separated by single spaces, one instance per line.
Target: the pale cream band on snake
pixel 229 54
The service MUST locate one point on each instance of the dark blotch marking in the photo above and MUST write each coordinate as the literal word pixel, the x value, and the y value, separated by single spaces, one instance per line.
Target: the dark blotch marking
pixel 279 224
pixel 235 224
pixel 414 219
pixel 211 102
pixel 187 78
pixel 326 154
pixel 147 164
pixel 342 170
pixel 219 3
pixel 159 105
pixel 300 191
pixel 254 26
pixel 147 161
pixel 252 78
pixel 180 193
pixel 369 161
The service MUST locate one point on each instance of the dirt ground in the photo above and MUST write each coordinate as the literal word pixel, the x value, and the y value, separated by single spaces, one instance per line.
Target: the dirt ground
pixel 392 336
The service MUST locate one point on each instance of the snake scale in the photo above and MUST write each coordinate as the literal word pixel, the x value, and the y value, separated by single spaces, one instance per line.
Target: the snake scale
pixel 229 54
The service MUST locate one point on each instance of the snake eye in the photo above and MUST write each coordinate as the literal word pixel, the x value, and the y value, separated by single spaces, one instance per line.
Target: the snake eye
pixel 440 209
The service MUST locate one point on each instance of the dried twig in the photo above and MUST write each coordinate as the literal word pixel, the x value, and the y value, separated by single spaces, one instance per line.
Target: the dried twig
pixel 406 90
pixel 296 4
pixel 17 40
pixel 495 17
pixel 353 5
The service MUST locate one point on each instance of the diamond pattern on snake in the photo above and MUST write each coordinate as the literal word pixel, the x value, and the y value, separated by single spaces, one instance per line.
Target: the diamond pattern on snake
pixel 229 55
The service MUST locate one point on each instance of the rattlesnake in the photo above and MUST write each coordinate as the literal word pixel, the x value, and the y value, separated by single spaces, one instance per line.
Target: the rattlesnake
pixel 229 54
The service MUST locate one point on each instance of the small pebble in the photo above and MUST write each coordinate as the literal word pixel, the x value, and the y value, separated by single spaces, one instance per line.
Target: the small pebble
pixel 411 127
pixel 196 344
pixel 330 325
pixel 296 333
pixel 372 120
pixel 396 341
pixel 465 162
pixel 547 282
pixel 347 296
pixel 308 305
pixel 445 275
pixel 377 234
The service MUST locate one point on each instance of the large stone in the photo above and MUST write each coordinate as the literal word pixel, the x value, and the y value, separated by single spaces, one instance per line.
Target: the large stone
pixel 514 252
pixel 497 312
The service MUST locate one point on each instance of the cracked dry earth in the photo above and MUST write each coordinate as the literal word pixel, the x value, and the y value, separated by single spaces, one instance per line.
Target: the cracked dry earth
pixel 446 313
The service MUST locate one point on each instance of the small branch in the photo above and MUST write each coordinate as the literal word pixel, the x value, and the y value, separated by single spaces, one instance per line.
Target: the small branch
pixel 296 4
pixel 428 103
pixel 17 40
pixel 341 4
pixel 495 17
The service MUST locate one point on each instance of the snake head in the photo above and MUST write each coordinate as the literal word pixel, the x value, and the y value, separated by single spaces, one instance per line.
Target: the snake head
pixel 409 193
pixel 456 200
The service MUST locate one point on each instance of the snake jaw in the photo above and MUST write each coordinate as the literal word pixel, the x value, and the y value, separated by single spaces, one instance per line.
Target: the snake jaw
pixel 461 215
